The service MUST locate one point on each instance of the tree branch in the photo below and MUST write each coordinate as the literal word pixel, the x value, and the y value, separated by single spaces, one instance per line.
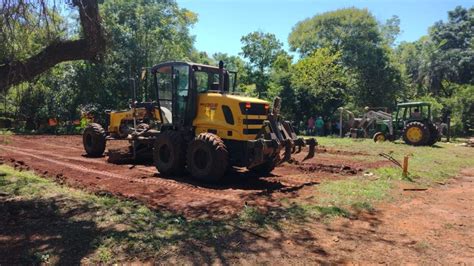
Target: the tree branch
pixel 90 47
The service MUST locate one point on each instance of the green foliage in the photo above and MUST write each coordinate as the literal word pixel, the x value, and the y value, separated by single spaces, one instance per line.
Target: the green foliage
pixel 320 83
pixel 346 58
pixel 261 49
pixel 461 107
pixel 355 33
pixel 442 65
pixel 390 30
pixel 139 34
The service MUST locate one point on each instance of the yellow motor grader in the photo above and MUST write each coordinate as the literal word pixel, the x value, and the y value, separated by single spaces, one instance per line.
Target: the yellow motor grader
pixel 199 123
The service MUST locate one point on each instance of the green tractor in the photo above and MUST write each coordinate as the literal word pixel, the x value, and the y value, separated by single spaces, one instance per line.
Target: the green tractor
pixel 412 122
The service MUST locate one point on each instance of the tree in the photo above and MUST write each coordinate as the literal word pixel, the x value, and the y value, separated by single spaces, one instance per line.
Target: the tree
pixel 355 33
pixel 261 49
pixel 280 85
pixel 19 14
pixel 320 83
pixel 390 30
pixel 453 56
pixel 141 33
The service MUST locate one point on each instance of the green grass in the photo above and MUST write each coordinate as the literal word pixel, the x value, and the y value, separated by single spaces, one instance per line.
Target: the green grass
pixel 354 192
pixel 427 166
pixel 5 136
pixel 120 227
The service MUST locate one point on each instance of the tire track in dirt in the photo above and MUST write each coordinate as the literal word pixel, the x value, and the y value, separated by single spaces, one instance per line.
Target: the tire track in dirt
pixel 162 183
pixel 59 147
pixel 289 181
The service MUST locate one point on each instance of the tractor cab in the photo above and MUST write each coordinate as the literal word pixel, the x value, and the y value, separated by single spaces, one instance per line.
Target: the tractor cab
pixel 412 111
pixel 413 120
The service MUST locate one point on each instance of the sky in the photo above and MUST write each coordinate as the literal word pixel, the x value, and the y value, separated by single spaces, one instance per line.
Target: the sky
pixel 222 23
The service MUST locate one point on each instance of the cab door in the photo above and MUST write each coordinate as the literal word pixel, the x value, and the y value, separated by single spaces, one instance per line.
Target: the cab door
pixel 173 86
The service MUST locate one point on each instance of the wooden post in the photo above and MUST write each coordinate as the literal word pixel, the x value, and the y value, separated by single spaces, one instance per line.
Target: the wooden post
pixel 405 166
pixel 448 120
pixel 340 121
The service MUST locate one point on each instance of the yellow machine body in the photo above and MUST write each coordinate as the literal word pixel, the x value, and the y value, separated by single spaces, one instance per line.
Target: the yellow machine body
pixel 119 117
pixel 210 116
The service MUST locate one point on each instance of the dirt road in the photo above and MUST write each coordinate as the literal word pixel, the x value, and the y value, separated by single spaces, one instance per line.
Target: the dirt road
pixel 435 226
pixel 63 158
pixel 427 227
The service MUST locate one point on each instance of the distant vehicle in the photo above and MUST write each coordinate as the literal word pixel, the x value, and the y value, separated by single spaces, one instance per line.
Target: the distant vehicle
pixel 412 121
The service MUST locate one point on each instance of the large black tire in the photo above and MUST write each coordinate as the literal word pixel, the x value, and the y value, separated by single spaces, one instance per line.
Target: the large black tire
pixel 265 168
pixel 207 158
pixel 93 140
pixel 169 153
pixel 434 134
pixel 416 134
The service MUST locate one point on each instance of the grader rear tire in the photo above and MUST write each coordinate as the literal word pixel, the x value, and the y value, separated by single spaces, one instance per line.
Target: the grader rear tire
pixel 416 134
pixel 93 140
pixel 169 153
pixel 207 158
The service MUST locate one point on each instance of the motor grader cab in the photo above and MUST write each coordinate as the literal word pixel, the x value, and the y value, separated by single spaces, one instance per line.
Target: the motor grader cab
pixel 199 123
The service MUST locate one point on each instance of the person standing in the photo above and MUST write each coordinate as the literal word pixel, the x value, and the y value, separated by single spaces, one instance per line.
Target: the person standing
pixel 310 130
pixel 319 126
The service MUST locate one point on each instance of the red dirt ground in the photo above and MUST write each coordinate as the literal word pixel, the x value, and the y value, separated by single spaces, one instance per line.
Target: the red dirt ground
pixel 435 226
pixel 430 227
pixel 63 158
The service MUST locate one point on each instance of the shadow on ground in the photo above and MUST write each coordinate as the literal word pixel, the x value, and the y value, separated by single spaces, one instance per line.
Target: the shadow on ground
pixel 33 231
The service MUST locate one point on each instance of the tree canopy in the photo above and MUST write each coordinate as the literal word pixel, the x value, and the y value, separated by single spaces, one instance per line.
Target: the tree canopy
pixel 344 58
pixel 356 34
pixel 261 49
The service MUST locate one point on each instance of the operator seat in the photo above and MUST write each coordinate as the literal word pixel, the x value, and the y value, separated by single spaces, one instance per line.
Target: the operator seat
pixel 167 115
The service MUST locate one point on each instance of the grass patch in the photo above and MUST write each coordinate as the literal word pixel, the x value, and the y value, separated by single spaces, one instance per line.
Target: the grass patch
pixel 427 165
pixel 354 192
pixel 283 217
pixel 5 136
pixel 104 228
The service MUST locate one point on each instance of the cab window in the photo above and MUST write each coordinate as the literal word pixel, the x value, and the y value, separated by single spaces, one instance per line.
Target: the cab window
pixel 206 81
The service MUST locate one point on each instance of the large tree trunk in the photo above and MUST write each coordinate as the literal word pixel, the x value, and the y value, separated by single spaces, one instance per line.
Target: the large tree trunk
pixel 90 47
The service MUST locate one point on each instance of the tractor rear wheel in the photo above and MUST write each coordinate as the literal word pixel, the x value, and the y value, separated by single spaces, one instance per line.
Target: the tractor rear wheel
pixel 93 140
pixel 169 153
pixel 434 134
pixel 379 137
pixel 207 157
pixel 416 134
